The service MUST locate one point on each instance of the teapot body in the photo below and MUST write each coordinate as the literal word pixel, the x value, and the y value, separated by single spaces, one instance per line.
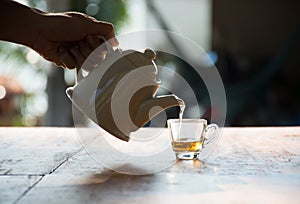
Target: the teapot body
pixel 121 92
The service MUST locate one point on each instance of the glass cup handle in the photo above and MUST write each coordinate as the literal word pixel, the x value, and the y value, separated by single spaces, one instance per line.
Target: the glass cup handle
pixel 210 133
pixel 211 138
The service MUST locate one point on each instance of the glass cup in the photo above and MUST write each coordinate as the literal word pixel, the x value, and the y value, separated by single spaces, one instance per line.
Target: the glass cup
pixel 192 138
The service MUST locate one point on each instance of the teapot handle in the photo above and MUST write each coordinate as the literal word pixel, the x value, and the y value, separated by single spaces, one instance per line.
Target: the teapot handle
pixel 109 49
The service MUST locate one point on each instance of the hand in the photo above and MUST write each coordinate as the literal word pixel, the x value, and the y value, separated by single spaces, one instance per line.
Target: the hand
pixel 67 39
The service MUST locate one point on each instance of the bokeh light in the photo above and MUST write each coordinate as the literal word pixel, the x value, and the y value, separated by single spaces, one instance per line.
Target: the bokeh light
pixel 92 9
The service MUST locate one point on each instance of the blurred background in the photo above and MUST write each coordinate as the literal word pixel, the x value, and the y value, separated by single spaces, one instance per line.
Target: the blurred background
pixel 255 46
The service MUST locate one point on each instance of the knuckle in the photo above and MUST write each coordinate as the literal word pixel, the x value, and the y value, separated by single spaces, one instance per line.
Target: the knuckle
pixel 110 27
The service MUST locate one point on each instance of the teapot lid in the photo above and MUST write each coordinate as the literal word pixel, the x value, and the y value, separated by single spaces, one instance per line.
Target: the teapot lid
pixel 138 59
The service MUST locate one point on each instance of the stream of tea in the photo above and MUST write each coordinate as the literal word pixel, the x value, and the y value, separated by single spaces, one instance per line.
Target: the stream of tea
pixel 182 107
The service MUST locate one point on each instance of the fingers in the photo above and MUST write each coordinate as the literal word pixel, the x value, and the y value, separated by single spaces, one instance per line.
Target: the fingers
pixel 74 56
pixel 78 57
pixel 81 53
pixel 93 44
pixel 99 50
pixel 93 41
pixel 85 49
pixel 92 50
pixel 71 58
pixel 66 60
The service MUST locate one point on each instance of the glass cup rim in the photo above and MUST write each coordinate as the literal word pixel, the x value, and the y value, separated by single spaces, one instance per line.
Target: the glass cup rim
pixel 186 120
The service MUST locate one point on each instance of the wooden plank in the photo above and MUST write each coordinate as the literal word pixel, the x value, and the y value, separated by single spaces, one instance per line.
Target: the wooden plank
pixel 35 151
pixel 249 165
pixel 257 151
pixel 26 154
pixel 164 188
pixel 13 187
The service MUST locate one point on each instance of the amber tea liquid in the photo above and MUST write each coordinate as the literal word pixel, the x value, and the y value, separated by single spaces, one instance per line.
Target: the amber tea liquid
pixel 185 145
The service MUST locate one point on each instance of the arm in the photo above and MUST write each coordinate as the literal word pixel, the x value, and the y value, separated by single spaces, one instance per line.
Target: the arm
pixel 63 38
pixel 19 24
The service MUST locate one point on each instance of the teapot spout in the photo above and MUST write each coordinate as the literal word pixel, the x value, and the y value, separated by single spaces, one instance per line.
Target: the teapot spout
pixel 152 107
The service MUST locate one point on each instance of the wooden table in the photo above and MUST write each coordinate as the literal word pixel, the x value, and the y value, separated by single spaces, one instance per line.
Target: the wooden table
pixel 249 165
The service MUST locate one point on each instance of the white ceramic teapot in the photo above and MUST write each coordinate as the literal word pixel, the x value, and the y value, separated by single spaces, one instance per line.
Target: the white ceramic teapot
pixel 120 94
